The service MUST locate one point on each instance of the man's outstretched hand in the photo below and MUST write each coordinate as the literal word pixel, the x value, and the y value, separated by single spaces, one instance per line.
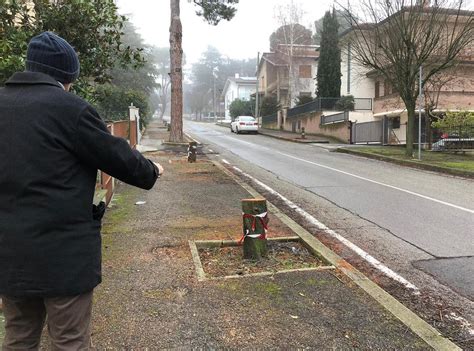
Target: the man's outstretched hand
pixel 160 168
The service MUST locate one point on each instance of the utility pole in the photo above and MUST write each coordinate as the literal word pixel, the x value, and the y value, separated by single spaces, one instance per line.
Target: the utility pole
pixel 257 98
pixel 214 76
pixel 420 103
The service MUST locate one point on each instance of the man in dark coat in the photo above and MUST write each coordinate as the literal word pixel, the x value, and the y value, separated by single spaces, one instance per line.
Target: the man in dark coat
pixel 52 143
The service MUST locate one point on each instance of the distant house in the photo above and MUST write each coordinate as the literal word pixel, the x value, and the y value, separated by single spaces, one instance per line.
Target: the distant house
pixel 455 93
pixel 322 115
pixel 274 73
pixel 237 88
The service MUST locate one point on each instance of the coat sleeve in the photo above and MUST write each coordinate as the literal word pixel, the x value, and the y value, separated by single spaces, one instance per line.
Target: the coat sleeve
pixel 96 147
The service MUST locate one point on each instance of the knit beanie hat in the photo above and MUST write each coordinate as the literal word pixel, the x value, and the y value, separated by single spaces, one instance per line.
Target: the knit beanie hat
pixel 49 53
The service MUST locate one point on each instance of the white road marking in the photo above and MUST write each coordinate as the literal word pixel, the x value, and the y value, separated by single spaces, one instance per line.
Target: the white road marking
pixel 380 183
pixel 370 259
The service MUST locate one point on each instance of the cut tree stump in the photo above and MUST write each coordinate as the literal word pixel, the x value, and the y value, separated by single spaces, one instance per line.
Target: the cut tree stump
pixel 255 247
pixel 192 151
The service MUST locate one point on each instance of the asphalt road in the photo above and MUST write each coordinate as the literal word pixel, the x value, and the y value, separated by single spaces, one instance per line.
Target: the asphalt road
pixel 432 213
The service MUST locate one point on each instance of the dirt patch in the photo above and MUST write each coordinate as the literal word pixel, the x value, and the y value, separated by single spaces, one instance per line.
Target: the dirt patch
pixel 225 261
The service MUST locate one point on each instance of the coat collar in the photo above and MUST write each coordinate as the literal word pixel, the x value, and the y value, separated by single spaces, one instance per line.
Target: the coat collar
pixel 32 78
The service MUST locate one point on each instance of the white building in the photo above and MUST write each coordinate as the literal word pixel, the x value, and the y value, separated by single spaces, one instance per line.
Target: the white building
pixel 354 77
pixel 354 81
pixel 238 88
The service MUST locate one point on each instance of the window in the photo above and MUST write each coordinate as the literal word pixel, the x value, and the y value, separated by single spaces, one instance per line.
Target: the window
pixel 395 122
pixel 377 89
pixel 305 71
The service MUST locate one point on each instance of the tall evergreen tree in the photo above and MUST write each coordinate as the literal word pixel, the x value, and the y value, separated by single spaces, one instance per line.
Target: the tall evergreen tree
pixel 329 64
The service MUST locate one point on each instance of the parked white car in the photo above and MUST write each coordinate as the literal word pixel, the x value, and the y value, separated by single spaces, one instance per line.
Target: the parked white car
pixel 244 124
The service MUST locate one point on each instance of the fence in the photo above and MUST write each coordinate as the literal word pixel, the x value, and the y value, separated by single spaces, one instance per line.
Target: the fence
pixel 312 106
pixel 329 104
pixel 127 129
pixel 336 118
pixel 270 118
pixel 367 133
pixel 363 104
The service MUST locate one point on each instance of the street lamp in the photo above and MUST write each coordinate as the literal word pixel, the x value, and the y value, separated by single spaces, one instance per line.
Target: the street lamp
pixel 419 111
pixel 215 70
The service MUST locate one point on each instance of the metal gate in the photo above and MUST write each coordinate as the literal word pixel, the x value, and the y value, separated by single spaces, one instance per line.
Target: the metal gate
pixel 367 133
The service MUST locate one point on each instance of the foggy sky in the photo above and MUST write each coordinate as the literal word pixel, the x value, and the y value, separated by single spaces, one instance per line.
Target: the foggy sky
pixel 245 35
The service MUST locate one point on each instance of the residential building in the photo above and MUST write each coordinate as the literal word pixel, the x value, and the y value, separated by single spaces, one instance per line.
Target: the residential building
pixel 275 78
pixel 237 88
pixel 451 90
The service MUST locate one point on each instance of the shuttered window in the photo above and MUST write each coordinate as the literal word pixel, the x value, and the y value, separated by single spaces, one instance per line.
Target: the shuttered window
pixel 305 71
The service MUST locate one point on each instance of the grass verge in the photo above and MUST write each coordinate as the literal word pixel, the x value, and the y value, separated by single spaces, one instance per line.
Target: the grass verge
pixel 450 163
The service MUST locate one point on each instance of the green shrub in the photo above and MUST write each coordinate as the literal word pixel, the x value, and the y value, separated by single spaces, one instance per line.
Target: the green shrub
pixel 345 103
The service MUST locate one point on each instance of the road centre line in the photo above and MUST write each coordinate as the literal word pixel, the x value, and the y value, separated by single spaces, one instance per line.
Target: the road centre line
pixel 380 183
pixel 367 257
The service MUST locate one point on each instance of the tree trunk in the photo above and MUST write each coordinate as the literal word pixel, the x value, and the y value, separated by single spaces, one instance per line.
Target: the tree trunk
pixel 176 62
pixel 255 242
pixel 163 108
pixel 164 103
pixel 428 129
pixel 410 133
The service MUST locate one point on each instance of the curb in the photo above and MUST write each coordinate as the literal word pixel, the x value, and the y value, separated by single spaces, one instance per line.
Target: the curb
pixel 191 138
pixel 309 141
pixel 174 144
pixel 407 163
pixel 415 323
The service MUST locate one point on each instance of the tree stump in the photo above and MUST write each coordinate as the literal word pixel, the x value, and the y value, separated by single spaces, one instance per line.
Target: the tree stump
pixel 255 220
pixel 192 148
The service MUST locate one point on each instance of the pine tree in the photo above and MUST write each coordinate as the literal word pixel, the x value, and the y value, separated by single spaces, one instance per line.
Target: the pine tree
pixel 329 64
pixel 212 11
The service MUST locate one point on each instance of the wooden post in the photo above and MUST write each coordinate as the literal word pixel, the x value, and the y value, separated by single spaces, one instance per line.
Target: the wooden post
pixel 255 242
pixel 192 148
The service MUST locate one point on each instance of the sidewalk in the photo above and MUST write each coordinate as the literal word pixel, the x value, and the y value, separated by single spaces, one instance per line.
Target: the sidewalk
pixel 151 297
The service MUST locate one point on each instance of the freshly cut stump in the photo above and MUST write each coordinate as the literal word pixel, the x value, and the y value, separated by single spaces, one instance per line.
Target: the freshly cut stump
pixel 192 151
pixel 254 247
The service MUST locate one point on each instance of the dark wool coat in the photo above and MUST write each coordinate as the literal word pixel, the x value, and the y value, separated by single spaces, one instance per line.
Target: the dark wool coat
pixel 51 145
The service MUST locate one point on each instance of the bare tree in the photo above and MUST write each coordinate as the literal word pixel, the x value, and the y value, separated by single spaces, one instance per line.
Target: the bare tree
pixel 161 60
pixel 397 37
pixel 289 17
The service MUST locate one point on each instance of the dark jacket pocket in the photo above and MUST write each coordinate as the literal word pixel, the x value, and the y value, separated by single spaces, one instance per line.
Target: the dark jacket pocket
pixel 98 211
